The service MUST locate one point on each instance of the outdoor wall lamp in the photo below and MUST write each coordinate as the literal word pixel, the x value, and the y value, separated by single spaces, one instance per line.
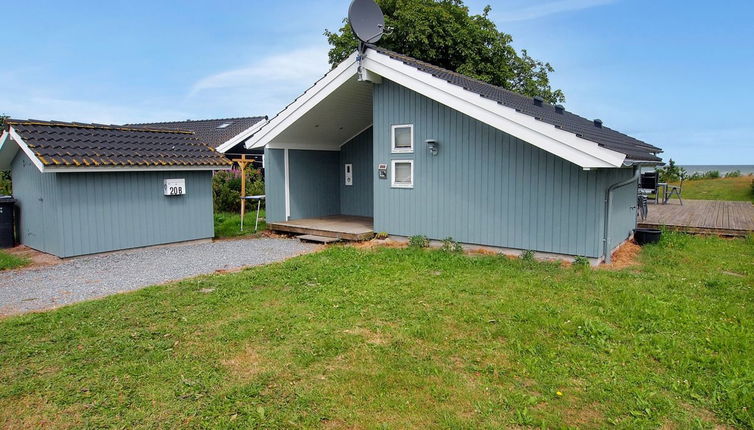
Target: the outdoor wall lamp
pixel 433 146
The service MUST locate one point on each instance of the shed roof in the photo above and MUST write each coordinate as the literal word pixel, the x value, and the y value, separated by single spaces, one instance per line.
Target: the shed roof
pixel 214 132
pixel 634 149
pixel 78 145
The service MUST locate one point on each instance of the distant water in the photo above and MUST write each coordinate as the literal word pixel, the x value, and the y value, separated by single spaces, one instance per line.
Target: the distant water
pixel 722 168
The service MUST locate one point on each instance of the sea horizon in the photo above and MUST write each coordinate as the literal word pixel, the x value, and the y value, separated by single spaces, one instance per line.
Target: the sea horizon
pixel 745 169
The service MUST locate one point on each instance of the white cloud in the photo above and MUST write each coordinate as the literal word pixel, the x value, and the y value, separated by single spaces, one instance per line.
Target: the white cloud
pixel 59 109
pixel 263 87
pixel 534 11
pixel 302 65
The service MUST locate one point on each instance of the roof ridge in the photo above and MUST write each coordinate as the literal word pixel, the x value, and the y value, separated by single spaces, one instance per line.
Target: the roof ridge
pixel 199 120
pixel 94 126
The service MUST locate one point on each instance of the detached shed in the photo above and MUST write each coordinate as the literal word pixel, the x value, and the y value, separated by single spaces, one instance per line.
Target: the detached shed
pixel 90 188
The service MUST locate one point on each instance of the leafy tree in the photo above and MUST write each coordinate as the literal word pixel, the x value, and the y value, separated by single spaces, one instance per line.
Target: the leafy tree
pixel 444 33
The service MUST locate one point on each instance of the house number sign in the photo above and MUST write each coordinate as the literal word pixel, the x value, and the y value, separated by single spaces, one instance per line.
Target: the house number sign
pixel 174 187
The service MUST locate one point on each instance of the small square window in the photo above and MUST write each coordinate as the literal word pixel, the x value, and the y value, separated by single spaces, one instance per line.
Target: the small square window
pixel 403 173
pixel 403 138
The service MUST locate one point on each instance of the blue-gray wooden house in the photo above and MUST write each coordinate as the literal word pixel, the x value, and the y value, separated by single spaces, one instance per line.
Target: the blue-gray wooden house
pixel 408 148
pixel 89 188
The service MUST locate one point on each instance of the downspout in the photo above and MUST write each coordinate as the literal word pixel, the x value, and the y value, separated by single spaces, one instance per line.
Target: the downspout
pixel 609 208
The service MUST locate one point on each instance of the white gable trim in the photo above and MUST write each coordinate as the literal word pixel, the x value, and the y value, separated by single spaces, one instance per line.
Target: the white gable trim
pixel 235 140
pixel 24 147
pixel 564 144
pixel 309 100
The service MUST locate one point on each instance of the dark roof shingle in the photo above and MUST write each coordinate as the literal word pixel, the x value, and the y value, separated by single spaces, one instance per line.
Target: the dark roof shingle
pixel 213 132
pixel 633 148
pixel 91 145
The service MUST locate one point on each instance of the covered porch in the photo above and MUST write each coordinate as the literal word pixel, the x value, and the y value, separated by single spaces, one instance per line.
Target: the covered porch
pixel 344 227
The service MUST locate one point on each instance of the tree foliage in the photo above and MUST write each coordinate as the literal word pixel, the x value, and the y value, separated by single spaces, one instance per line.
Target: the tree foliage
pixel 444 33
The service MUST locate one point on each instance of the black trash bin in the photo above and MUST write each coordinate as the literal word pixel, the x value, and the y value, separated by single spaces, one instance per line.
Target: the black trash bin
pixel 7 222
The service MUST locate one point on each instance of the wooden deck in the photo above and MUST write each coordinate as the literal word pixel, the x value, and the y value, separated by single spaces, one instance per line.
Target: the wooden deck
pixel 344 227
pixel 702 216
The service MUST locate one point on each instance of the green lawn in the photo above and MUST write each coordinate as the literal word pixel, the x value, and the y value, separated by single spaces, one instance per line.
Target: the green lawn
pixel 397 338
pixel 228 224
pixel 719 189
pixel 8 261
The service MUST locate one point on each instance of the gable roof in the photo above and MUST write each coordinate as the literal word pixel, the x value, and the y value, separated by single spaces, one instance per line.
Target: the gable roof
pixel 217 133
pixel 634 149
pixel 566 135
pixel 63 146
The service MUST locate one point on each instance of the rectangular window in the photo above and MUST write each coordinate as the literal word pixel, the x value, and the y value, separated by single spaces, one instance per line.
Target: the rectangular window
pixel 403 173
pixel 403 138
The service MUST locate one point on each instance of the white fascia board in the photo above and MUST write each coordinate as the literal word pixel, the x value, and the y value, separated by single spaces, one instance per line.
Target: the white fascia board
pixel 304 146
pixel 24 147
pixel 561 143
pixel 235 140
pixel 307 101
pixel 104 169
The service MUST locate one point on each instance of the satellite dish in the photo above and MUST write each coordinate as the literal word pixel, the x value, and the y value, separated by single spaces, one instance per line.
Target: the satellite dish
pixel 366 19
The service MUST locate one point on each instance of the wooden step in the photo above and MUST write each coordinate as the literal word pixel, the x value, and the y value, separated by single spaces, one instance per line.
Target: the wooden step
pixel 318 239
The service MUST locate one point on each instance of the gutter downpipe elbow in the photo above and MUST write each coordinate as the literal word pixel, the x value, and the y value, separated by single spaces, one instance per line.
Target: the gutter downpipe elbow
pixel 609 208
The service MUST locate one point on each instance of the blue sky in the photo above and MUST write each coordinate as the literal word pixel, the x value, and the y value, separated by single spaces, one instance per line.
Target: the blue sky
pixel 674 73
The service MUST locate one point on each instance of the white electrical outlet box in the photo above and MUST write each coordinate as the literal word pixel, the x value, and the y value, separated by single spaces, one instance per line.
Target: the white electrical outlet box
pixel 174 187
pixel 349 174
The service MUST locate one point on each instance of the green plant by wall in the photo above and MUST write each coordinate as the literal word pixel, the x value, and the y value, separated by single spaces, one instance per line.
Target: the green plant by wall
pixel 450 245
pixel 418 241
pixel 381 235
pixel 527 255
pixel 226 188
pixel 580 261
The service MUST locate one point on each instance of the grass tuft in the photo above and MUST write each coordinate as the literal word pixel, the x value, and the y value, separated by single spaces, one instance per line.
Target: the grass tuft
pixel 8 261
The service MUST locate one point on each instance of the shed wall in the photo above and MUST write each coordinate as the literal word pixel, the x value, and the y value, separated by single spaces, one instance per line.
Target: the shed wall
pixel 357 199
pixel 485 186
pixel 86 213
pixel 36 196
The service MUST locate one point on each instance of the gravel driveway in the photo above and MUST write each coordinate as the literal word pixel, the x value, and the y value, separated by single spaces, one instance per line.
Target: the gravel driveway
pixel 85 278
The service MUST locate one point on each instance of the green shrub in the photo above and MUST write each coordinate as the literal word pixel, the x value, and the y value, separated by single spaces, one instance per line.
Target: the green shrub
pixel 450 245
pixel 418 241
pixel 672 172
pixel 381 235
pixel 6 188
pixel 527 255
pixel 226 188
pixel 733 174
pixel 581 261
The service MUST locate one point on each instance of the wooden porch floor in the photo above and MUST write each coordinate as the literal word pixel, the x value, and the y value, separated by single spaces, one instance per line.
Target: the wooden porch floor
pixel 702 216
pixel 345 227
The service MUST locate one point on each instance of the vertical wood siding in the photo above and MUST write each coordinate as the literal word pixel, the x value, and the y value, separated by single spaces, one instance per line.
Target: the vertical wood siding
pixel 357 199
pixel 85 213
pixel 35 195
pixel 487 187
pixel 314 183
pixel 274 184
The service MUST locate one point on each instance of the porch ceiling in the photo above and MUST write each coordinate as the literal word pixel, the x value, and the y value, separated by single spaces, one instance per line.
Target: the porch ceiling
pixel 338 117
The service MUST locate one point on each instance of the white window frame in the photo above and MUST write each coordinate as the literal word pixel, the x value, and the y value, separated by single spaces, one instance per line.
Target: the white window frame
pixel 392 169
pixel 395 150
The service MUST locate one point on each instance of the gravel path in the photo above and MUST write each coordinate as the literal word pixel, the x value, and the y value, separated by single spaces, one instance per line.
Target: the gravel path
pixel 85 278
